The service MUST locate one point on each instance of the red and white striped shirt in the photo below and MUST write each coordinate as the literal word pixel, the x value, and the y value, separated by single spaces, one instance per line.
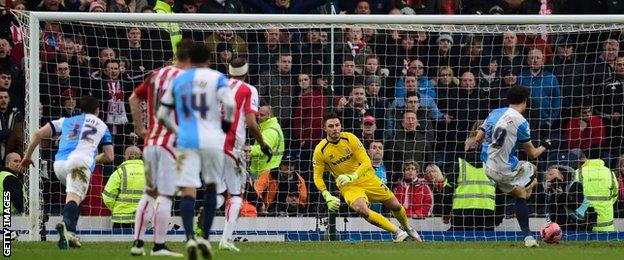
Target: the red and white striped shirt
pixel 152 90
pixel 246 97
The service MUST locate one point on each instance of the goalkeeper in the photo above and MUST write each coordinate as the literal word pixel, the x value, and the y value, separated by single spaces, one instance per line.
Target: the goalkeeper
pixel 344 156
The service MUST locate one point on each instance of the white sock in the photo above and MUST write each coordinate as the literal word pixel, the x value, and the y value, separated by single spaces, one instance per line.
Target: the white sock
pixel 144 213
pixel 162 215
pixel 236 203
pixel 220 201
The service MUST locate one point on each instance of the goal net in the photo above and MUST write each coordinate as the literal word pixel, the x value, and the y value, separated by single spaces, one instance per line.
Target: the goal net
pixel 411 92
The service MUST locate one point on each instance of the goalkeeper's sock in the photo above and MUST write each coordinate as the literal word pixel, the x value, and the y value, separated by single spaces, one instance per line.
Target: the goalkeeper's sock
pixel 381 221
pixel 236 203
pixel 162 214
pixel 69 214
pixel 144 213
pixel 401 216
pixel 187 211
pixel 522 214
pixel 210 204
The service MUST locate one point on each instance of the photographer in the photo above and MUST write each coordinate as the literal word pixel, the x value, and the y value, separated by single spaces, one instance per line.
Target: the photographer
pixel 567 206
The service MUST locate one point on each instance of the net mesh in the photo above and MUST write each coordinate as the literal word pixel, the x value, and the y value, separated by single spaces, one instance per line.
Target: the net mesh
pixel 460 73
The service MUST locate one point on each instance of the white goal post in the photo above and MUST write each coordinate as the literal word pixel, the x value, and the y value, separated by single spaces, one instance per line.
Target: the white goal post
pixel 471 23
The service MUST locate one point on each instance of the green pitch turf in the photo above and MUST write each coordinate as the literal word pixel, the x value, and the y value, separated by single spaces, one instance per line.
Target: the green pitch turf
pixel 346 250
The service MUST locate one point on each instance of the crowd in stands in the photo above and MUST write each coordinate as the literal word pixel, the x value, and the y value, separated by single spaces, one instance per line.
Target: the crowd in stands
pixel 412 97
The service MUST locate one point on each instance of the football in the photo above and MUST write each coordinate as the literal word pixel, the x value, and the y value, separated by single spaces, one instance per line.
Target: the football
pixel 551 233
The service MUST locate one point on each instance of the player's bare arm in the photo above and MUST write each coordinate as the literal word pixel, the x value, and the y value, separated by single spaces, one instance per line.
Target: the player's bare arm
pixel 43 132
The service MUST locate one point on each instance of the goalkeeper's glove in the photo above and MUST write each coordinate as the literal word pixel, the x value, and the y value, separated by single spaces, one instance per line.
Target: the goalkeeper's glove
pixel 266 150
pixel 346 178
pixel 333 203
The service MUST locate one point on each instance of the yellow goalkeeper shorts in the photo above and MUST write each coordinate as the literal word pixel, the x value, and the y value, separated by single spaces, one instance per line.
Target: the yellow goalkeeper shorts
pixel 372 190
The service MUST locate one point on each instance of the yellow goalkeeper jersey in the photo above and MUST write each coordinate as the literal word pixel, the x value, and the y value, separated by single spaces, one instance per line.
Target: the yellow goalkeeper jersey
pixel 346 156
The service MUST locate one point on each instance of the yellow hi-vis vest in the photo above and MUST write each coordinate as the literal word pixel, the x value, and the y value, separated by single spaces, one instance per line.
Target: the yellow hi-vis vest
pixel 124 190
pixel 3 175
pixel 601 189
pixel 474 190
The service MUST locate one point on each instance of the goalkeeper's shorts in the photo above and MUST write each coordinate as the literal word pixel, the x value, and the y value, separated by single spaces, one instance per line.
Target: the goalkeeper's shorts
pixel 371 189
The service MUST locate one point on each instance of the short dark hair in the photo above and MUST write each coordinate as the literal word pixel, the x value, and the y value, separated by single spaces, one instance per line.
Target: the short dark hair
pixel 199 53
pixel 109 61
pixel 330 115
pixel 5 90
pixel 5 72
pixel 182 50
pixel 89 104
pixel 238 62
pixel 517 95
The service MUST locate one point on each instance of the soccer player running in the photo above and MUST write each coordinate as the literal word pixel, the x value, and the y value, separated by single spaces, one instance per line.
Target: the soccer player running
pixel 75 160
pixel 197 96
pixel 344 156
pixel 503 129
pixel 159 156
pixel 234 174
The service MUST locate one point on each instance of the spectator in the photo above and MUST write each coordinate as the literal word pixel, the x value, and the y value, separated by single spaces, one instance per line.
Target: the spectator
pixel 11 181
pixel 125 6
pixel 97 7
pixel 489 81
pixel 51 6
pixel 403 51
pixel 474 201
pixel 314 50
pixel 222 40
pixel 143 57
pixel 286 187
pixel 540 41
pixel 609 100
pixel 566 204
pixel 464 105
pixel 376 153
pixel 585 130
pixel 442 192
pixel 273 136
pixel 222 6
pixel 9 118
pixel 106 54
pixel 568 69
pixel 376 103
pixel 409 143
pixel 544 88
pixel 445 79
pixel 264 53
pixel 443 54
pixel 511 54
pixel 346 78
pixel 372 68
pixel 309 112
pixel 472 59
pixel 68 102
pixel 368 131
pixel 124 189
pixel 498 98
pixel 355 110
pixel 277 86
pixel 285 6
pixel 425 87
pixel 601 189
pixel 603 66
pixel 413 193
pixel 16 92
pixel 354 46
pixel 175 35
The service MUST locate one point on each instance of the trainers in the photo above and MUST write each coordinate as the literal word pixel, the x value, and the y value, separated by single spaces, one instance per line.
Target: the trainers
pixel 411 232
pixel 401 235
pixel 205 248
pixel 165 252
pixel 73 240
pixel 62 231
pixel 137 248
pixel 530 241
pixel 191 249
pixel 229 246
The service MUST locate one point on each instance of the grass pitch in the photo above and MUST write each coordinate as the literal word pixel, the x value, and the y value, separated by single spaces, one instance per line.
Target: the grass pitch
pixel 595 250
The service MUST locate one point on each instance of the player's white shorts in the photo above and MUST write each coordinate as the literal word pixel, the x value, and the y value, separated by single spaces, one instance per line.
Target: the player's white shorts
pixel 75 174
pixel 191 162
pixel 507 181
pixel 160 173
pixel 232 177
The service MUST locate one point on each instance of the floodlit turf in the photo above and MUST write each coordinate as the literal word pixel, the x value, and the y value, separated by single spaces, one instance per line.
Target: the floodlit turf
pixel 346 250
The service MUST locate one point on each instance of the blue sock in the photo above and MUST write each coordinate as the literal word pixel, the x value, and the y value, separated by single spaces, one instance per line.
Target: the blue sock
pixel 522 215
pixel 70 215
pixel 187 211
pixel 209 210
